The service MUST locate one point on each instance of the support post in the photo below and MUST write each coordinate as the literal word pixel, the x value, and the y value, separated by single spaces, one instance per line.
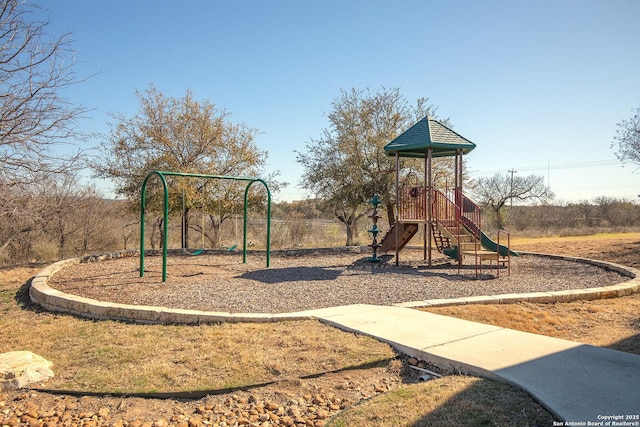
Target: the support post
pixel 165 224
pixel 429 202
pixel 424 212
pixel 397 207
pixel 245 217
pixel 460 171
pixel 458 203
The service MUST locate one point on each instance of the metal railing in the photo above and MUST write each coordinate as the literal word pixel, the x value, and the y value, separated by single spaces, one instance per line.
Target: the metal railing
pixel 445 213
pixel 413 201
pixel 444 209
pixel 412 204
pixel 468 213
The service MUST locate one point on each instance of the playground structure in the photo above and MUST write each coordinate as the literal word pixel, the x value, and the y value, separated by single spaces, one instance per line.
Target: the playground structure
pixel 451 220
pixel 165 231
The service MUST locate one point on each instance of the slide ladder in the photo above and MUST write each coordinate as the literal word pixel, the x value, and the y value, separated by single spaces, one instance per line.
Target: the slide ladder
pixel 448 240
pixel 458 224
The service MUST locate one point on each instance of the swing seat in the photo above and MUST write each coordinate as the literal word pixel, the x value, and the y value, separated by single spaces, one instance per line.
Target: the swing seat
pixel 197 252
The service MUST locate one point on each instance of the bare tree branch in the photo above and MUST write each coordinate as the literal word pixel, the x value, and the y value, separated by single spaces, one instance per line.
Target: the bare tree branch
pixel 495 191
pixel 34 116
pixel 628 139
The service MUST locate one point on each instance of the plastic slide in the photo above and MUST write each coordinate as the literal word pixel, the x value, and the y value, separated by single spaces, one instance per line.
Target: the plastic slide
pixel 490 245
pixel 487 243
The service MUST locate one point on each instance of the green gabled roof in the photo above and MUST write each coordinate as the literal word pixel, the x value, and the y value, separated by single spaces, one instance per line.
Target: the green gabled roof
pixel 428 133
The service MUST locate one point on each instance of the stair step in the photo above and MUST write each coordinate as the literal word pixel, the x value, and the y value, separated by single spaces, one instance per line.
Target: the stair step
pixel 470 246
pixel 485 255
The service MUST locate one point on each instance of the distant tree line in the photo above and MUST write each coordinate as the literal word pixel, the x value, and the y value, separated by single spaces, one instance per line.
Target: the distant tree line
pixel 64 220
pixel 601 214
pixel 58 218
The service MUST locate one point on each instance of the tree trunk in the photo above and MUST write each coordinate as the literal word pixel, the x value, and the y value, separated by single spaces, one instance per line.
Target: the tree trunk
pixel 160 229
pixel 350 221
pixel 61 246
pixel 85 242
pixel 152 236
pixel 214 240
pixel 391 213
pixel 185 228
pixel 499 216
pixel 349 228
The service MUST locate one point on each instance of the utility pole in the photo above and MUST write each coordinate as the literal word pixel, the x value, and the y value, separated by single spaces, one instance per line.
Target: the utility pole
pixel 512 171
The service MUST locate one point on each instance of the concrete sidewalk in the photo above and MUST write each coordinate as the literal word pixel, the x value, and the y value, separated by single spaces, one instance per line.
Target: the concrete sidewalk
pixel 576 382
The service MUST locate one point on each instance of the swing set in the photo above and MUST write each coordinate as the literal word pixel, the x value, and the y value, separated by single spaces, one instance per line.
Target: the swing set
pixel 165 225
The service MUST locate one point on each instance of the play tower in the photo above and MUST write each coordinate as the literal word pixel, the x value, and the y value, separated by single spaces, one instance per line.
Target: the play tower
pixel 451 220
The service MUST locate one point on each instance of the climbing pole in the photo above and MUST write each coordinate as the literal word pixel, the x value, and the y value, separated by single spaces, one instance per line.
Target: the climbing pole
pixel 375 201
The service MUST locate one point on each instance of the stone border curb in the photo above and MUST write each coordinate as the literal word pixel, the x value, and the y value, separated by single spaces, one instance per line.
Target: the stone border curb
pixel 618 290
pixel 53 300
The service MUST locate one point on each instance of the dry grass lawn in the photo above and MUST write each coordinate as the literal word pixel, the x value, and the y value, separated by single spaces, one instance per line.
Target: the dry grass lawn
pixel 109 356
pixel 445 402
pixel 613 323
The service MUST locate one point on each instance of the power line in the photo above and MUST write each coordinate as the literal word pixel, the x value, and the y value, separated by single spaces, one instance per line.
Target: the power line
pixel 561 166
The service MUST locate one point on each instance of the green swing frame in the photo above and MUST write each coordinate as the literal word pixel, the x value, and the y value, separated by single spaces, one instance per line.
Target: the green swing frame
pixel 165 226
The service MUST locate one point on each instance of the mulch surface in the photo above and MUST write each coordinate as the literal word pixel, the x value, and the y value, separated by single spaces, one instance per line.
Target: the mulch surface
pixel 221 282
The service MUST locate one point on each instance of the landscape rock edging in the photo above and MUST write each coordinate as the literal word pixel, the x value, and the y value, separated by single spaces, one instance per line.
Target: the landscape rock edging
pixel 57 301
pixel 613 291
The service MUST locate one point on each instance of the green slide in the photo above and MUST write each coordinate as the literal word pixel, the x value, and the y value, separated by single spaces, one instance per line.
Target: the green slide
pixel 486 243
pixel 489 244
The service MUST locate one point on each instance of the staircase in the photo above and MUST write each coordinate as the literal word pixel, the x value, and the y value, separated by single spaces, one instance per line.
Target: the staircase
pixel 449 237
pixel 441 240
pixel 405 232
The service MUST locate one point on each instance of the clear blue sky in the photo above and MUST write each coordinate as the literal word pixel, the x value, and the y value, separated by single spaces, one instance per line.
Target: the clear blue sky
pixel 538 85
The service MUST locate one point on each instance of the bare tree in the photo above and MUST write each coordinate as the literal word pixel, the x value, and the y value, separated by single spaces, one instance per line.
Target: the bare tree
pixel 60 198
pixel 628 139
pixel 35 118
pixel 98 220
pixel 34 69
pixel 497 190
pixel 17 219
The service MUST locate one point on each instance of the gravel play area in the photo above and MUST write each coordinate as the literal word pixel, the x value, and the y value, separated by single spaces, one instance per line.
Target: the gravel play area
pixel 305 280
